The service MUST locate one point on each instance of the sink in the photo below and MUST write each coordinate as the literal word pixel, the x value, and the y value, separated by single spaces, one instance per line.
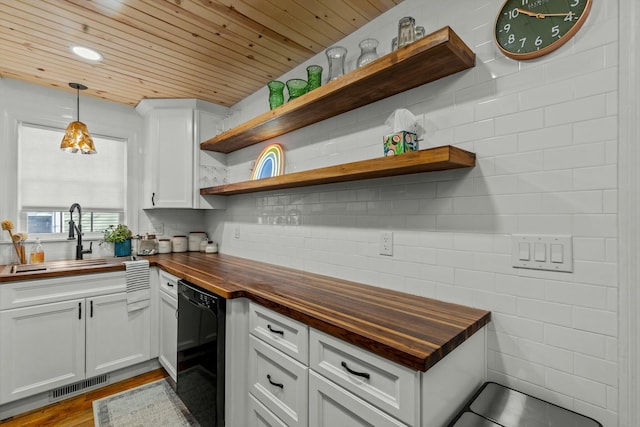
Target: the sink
pixel 64 264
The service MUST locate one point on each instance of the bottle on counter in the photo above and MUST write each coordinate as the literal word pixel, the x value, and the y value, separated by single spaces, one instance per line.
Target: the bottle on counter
pixel 37 252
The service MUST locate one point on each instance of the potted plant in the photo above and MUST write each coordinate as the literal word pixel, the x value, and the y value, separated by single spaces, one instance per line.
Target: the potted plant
pixel 120 236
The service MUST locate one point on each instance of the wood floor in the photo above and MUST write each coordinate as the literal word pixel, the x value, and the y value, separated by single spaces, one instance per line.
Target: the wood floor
pixel 77 411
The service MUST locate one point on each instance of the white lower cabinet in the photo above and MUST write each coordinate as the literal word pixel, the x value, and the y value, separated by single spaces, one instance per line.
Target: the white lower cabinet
pixel 333 406
pixel 62 340
pixel 168 331
pixel 279 382
pixel 347 385
pixel 41 348
pixel 115 337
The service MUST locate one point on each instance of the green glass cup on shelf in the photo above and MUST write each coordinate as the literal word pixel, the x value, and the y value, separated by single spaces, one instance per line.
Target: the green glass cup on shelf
pixel 296 88
pixel 314 77
pixel 276 93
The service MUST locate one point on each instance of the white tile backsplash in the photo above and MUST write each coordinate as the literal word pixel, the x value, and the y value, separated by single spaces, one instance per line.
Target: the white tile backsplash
pixel 545 133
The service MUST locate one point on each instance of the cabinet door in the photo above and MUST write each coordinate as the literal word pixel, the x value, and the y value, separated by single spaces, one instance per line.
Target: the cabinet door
pixel 168 333
pixel 332 406
pixel 41 348
pixel 116 338
pixel 172 150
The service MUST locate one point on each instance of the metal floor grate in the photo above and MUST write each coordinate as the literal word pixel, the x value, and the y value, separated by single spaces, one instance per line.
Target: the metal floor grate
pixel 70 389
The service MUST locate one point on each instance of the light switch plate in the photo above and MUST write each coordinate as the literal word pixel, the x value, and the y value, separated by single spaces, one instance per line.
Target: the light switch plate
pixel 542 252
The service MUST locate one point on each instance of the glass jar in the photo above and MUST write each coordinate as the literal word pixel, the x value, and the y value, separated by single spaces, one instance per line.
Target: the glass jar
pixel 180 243
pixel 296 88
pixel 420 32
pixel 336 56
pixel 276 93
pixel 164 246
pixel 37 252
pixel 368 52
pixel 314 77
pixel 406 31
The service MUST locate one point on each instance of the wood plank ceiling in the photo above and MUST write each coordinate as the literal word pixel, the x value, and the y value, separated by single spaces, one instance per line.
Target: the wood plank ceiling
pixel 215 50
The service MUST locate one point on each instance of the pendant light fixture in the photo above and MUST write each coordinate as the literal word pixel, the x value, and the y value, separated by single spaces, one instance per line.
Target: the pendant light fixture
pixel 77 137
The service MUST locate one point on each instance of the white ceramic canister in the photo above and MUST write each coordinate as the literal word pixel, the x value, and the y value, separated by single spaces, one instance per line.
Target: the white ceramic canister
pixel 164 246
pixel 180 243
pixel 195 238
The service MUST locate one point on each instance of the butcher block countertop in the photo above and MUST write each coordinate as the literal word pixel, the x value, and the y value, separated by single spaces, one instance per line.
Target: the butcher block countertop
pixel 413 331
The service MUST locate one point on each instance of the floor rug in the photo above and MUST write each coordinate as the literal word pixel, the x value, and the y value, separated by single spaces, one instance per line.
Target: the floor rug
pixel 153 404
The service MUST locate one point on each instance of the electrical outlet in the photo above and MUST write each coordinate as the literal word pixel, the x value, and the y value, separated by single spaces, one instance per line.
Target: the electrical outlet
pixel 236 233
pixel 386 243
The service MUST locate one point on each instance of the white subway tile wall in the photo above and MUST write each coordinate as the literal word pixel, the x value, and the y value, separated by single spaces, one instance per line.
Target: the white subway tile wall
pixel 545 133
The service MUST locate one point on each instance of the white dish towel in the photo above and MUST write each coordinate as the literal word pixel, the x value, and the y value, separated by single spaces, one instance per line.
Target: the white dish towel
pixel 138 287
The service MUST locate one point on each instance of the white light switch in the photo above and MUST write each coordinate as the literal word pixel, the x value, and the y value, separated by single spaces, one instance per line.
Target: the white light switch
pixel 542 252
pixel 524 251
pixel 556 253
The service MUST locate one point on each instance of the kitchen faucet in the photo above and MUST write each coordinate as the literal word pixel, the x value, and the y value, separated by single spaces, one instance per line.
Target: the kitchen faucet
pixel 73 227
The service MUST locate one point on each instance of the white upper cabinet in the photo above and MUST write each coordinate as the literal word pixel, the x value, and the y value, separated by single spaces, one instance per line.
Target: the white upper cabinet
pixel 173 167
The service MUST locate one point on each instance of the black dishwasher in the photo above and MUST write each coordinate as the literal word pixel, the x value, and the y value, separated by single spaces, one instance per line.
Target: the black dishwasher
pixel 200 362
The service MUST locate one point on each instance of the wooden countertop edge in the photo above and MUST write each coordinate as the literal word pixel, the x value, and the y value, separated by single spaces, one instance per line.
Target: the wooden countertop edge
pixel 416 354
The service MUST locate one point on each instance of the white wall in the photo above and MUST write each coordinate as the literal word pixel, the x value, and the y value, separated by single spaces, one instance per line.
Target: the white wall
pixel 30 103
pixel 545 133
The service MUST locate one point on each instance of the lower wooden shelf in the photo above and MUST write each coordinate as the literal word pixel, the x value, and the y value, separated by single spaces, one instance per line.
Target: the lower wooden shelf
pixel 429 160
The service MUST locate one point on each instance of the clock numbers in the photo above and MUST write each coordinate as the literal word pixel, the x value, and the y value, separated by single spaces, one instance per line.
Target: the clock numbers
pixel 527 29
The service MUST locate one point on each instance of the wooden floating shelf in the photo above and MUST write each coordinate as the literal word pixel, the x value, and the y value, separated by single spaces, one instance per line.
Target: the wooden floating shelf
pixel 434 56
pixel 432 159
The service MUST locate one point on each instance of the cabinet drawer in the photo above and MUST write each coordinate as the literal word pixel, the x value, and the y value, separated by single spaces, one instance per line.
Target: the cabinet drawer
pixel 43 291
pixel 282 332
pixel 260 416
pixel 169 283
pixel 278 382
pixel 332 406
pixel 379 381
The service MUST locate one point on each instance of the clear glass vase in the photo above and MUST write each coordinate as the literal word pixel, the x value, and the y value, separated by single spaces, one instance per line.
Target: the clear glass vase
pixel 406 31
pixel 336 56
pixel 276 93
pixel 368 52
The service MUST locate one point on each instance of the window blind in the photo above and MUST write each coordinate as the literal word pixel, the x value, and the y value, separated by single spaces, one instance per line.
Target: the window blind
pixel 49 178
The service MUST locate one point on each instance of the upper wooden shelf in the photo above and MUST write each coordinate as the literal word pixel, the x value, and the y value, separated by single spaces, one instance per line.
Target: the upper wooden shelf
pixel 432 159
pixel 434 56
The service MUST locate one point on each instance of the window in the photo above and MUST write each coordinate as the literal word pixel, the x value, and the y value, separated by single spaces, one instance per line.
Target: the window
pixel 51 180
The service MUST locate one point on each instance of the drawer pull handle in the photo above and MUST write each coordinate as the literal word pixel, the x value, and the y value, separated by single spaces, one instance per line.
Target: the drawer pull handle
pixel 170 285
pixel 275 384
pixel 275 331
pixel 356 373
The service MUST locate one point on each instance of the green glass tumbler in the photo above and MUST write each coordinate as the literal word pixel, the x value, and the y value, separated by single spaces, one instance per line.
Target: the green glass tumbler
pixel 276 93
pixel 296 88
pixel 314 77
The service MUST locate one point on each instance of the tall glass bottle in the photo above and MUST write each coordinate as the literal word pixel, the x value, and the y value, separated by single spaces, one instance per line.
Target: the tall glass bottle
pixel 336 56
pixel 368 52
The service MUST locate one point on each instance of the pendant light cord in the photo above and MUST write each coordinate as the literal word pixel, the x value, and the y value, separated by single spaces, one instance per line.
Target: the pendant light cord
pixel 78 102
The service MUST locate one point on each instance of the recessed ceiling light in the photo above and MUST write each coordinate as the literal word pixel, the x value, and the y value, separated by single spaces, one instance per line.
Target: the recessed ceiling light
pixel 86 53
